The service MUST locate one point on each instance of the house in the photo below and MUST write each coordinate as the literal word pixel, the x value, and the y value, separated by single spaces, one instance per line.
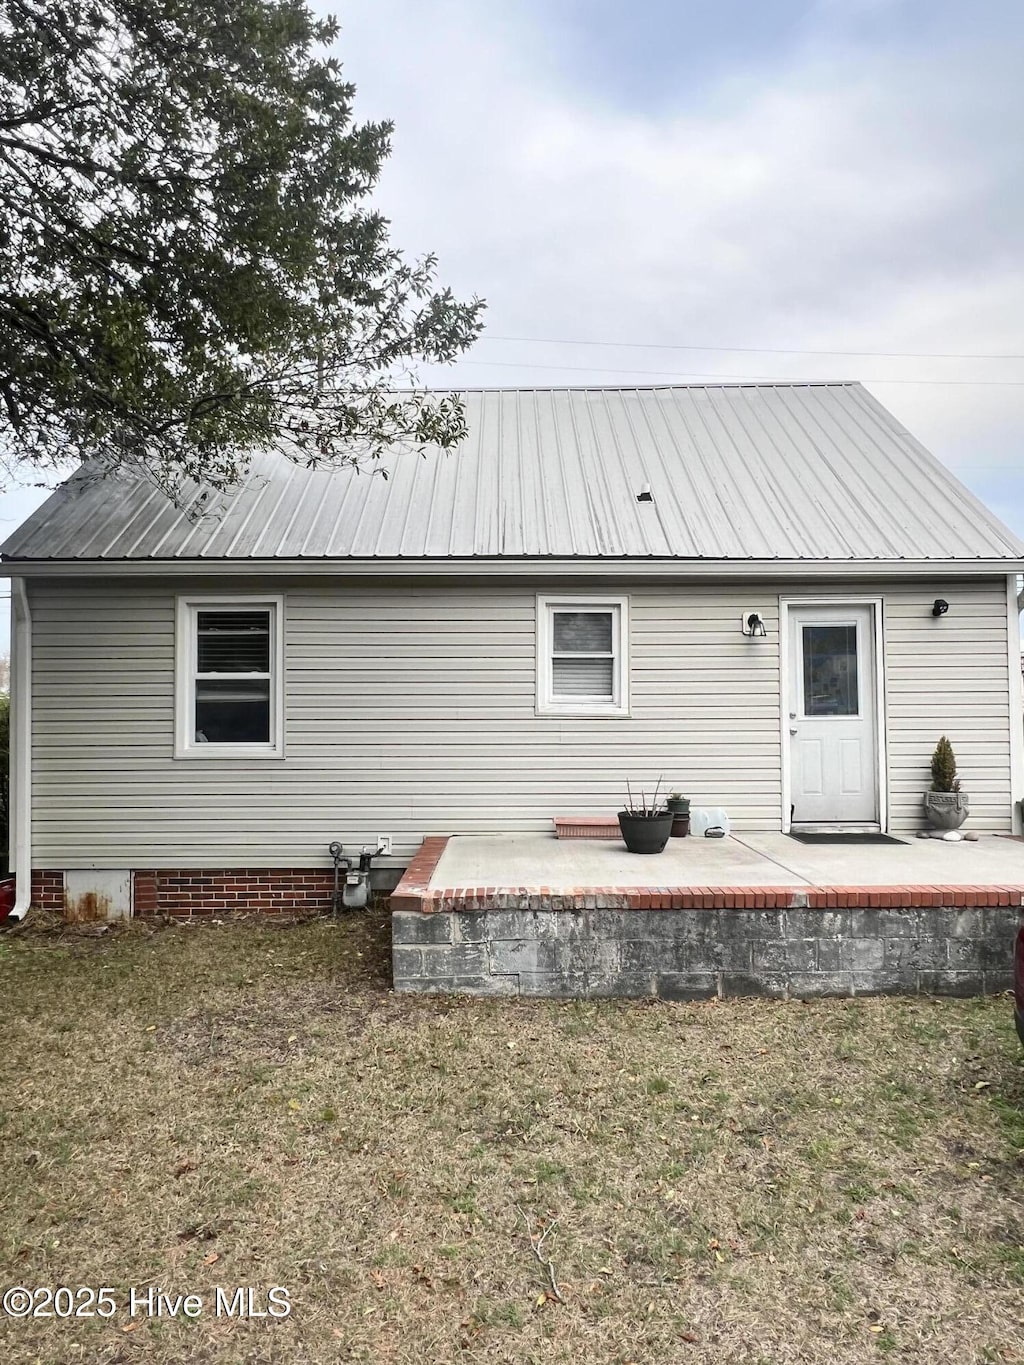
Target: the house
pixel 771 594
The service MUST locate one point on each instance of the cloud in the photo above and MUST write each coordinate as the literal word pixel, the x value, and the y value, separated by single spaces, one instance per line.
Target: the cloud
pixel 848 193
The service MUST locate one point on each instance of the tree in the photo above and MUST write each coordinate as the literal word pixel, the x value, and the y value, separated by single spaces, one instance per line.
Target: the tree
pixel 189 268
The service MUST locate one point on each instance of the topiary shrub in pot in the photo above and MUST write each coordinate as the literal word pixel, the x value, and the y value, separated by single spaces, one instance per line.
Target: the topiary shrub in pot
pixel 645 826
pixel 945 805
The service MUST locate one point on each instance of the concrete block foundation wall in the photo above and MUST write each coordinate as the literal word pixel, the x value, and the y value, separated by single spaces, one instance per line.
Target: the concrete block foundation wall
pixel 695 954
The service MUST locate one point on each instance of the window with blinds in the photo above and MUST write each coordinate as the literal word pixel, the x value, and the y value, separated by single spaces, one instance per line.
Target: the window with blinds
pixel 232 677
pixel 229 678
pixel 583 657
pixel 582 661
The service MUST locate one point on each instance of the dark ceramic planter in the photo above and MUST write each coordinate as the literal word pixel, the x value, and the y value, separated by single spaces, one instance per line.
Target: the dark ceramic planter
pixel 646 833
pixel 680 808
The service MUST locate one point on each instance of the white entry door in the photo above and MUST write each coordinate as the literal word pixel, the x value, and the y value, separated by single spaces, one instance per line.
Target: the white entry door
pixel 833 749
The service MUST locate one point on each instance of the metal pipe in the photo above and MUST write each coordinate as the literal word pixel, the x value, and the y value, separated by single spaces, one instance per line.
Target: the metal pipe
pixel 336 850
pixel 354 892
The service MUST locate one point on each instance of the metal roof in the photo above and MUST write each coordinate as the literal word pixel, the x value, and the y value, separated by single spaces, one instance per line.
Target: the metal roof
pixel 746 471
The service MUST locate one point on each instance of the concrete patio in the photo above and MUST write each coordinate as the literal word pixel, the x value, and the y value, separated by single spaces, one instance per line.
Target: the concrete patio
pixel 748 914
pixel 484 871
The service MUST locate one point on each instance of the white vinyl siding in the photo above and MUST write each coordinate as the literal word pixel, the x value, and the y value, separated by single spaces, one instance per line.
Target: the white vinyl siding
pixel 949 676
pixel 411 710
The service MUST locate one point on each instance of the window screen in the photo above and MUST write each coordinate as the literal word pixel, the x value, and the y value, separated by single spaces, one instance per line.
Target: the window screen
pixel 583 659
pixel 232 680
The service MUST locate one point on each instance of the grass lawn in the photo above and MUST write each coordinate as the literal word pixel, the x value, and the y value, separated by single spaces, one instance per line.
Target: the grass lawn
pixel 246 1104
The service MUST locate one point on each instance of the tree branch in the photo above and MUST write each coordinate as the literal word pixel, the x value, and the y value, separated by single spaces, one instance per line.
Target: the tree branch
pixel 537 1247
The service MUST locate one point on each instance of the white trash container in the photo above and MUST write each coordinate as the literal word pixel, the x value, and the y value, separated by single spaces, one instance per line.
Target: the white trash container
pixel 703 818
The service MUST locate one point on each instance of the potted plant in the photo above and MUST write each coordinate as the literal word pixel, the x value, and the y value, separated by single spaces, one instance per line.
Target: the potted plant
pixel 679 805
pixel 645 826
pixel 945 806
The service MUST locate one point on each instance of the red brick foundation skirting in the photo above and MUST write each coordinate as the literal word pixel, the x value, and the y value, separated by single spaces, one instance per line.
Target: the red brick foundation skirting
pixel 184 892
pixel 48 890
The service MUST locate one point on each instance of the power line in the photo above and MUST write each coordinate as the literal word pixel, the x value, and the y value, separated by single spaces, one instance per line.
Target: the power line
pixel 749 378
pixel 754 350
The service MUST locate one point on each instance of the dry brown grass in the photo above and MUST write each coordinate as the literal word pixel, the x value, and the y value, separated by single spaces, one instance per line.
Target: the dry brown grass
pixel 247 1104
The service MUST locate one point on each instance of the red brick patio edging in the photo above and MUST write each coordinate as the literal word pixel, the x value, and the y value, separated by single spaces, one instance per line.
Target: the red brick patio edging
pixel 413 893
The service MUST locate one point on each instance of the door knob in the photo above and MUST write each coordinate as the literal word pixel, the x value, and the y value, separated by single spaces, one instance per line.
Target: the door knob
pixel 792 729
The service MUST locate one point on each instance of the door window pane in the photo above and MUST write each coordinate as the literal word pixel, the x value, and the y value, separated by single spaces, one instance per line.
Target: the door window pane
pixel 830 671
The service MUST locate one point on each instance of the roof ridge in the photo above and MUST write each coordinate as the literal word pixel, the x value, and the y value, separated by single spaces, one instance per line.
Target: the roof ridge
pixel 634 388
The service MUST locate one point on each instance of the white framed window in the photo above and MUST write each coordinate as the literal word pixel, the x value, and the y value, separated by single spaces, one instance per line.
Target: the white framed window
pixel 582 663
pixel 229 677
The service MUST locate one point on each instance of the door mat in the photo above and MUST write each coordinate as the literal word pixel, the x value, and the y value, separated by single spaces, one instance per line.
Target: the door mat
pixel 846 839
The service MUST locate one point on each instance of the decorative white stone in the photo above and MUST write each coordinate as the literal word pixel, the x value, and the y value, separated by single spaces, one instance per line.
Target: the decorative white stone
pixel 952 836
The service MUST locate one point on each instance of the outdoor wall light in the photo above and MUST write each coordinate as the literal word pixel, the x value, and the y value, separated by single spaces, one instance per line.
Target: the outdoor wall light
pixel 940 606
pixel 753 625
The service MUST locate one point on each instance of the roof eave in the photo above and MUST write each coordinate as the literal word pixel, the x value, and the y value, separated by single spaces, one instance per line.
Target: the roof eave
pixel 508 567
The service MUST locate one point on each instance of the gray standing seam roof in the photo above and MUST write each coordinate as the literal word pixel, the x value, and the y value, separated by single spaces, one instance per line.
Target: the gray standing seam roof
pixel 742 471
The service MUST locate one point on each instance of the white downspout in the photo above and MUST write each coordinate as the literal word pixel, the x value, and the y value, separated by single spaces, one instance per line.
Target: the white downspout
pixel 21 749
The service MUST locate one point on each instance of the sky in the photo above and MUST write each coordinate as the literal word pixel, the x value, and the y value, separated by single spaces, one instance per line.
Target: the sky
pixel 812 189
